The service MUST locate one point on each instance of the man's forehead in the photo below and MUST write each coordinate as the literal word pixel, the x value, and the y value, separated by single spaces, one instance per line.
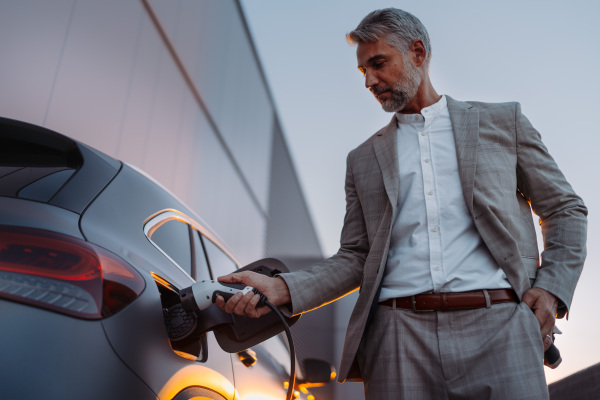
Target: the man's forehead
pixel 367 51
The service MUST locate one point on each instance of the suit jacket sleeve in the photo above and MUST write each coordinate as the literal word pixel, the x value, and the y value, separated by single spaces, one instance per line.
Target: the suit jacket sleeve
pixel 561 212
pixel 340 274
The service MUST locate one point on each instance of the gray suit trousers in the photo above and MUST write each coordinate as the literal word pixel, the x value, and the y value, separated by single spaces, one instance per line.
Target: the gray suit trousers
pixel 487 353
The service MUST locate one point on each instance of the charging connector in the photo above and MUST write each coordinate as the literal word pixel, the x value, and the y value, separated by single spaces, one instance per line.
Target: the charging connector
pixel 202 295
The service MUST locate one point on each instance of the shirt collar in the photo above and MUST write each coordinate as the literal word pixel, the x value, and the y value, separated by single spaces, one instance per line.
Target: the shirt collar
pixel 427 112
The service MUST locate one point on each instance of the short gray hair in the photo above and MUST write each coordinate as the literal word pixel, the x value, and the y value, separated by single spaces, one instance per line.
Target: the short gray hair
pixel 399 27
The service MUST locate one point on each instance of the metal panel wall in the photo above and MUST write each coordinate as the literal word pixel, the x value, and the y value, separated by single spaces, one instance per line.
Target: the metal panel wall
pixel 288 226
pixel 210 38
pixel 31 41
pixel 102 73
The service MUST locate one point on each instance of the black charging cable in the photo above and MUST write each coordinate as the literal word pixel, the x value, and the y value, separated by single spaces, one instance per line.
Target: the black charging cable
pixel 292 381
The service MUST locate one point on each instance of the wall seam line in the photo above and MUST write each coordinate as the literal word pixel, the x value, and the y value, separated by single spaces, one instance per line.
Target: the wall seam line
pixel 196 94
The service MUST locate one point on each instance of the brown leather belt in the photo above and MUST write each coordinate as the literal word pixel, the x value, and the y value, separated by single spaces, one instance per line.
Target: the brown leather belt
pixel 453 301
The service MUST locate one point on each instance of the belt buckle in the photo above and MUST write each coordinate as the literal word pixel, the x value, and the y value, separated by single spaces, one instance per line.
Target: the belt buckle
pixel 414 306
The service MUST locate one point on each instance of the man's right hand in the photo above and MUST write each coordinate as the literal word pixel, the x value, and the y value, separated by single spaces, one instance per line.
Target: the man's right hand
pixel 275 289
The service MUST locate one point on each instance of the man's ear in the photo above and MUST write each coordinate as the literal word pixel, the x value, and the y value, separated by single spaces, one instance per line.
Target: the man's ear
pixel 419 52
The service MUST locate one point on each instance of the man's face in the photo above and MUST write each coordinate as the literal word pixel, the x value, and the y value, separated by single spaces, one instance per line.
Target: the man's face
pixel 392 78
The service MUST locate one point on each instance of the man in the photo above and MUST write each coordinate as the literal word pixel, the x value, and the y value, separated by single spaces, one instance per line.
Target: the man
pixel 439 238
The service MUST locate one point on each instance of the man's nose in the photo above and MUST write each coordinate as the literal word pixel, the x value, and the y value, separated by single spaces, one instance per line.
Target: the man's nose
pixel 370 80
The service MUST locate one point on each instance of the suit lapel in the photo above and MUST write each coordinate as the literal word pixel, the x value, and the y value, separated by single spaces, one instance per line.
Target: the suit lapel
pixel 465 124
pixel 386 151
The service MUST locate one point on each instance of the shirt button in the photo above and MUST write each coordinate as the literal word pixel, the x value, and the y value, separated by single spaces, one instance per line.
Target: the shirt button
pixel 434 229
pixel 437 267
pixel 416 117
pixel 423 133
pixel 430 192
pixel 427 160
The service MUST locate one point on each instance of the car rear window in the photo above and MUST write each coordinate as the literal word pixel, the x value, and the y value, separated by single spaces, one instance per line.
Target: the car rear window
pixel 33 183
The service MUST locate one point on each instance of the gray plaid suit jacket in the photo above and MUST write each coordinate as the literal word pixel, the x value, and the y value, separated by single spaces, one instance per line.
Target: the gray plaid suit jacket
pixel 505 171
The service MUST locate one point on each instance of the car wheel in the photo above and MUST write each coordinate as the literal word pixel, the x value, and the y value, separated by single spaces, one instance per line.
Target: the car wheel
pixel 198 393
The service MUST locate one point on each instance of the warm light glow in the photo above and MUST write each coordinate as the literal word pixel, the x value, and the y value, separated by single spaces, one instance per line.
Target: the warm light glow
pixel 197 375
pixel 336 299
pixel 333 375
pixel 286 385
pixel 310 397
pixel 296 394
pixel 184 355
pixel 160 280
pixel 303 389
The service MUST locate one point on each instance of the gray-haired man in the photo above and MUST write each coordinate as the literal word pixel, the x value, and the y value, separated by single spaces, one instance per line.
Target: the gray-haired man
pixel 439 237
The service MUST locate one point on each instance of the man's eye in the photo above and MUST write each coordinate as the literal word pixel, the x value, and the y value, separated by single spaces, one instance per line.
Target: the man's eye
pixel 379 64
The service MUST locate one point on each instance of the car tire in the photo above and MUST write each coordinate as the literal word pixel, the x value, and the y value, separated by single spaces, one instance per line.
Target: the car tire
pixel 198 393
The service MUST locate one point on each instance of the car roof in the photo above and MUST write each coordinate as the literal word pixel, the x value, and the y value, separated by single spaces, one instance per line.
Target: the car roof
pixel 39 164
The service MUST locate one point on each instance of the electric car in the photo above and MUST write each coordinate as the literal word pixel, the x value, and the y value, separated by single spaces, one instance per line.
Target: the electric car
pixel 93 254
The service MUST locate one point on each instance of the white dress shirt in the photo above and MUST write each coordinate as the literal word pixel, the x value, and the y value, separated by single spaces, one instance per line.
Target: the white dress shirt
pixel 434 244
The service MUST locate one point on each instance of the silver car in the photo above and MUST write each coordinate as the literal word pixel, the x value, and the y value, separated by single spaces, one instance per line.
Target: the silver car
pixel 93 254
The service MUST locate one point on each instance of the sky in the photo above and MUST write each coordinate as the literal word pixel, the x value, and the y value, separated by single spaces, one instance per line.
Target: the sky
pixel 544 54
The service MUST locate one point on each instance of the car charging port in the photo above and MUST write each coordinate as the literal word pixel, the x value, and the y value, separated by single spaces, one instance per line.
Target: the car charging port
pixel 185 337
pixel 180 324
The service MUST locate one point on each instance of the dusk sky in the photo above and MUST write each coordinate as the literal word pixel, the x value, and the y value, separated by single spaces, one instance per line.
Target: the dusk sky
pixel 544 54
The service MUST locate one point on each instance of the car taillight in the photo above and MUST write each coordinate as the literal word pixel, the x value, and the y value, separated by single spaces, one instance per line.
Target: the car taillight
pixel 64 274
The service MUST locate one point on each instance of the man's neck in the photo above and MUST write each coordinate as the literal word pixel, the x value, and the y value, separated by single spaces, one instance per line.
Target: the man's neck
pixel 426 96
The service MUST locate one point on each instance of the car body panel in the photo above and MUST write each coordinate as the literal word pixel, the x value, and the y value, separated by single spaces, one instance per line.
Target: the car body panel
pixel 144 321
pixel 272 359
pixel 44 357
pixel 19 212
pixel 112 213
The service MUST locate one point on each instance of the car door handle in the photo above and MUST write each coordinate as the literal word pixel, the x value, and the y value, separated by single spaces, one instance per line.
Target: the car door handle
pixel 247 357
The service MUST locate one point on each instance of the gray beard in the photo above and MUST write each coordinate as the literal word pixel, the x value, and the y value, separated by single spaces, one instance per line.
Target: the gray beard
pixel 404 90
